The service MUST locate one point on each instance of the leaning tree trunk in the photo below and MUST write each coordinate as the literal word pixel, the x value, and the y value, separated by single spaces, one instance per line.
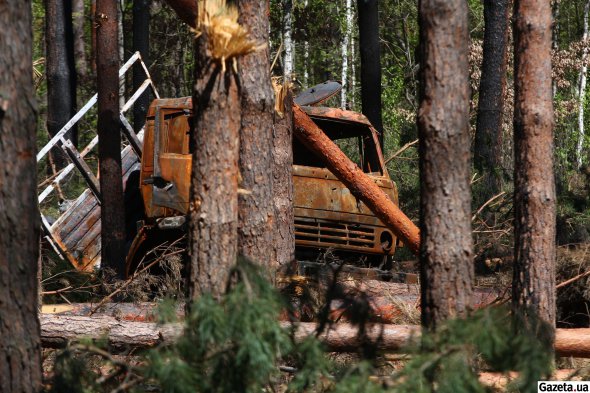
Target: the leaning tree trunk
pixel 141 44
pixel 61 72
pixel 368 21
pixel 533 283
pixel 492 87
pixel 446 270
pixel 255 202
pixel 20 352
pixel 109 139
pixel 213 216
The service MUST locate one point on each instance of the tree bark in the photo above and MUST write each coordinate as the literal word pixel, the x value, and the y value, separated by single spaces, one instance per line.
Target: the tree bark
pixel 213 212
pixel 255 203
pixel 121 48
pixel 93 28
pixel 20 351
pixel 57 330
pixel 368 22
pixel 79 46
pixel 446 255
pixel 289 59
pixel 109 139
pixel 141 44
pixel 582 89
pixel 534 187
pixel 185 9
pixel 359 184
pixel 492 88
pixel 345 45
pixel 61 72
pixel 282 184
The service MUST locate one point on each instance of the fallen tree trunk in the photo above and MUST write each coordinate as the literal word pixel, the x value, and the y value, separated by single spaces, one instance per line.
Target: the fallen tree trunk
pixel 359 184
pixel 57 330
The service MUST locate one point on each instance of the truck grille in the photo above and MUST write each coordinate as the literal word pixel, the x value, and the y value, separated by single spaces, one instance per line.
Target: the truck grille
pixel 331 234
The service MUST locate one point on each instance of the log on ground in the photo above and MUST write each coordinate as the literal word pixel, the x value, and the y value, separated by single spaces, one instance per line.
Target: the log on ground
pixel 57 330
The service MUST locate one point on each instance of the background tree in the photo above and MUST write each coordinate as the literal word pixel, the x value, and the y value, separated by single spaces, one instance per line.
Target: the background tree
pixel 61 72
pixel 369 47
pixel 141 44
pixel 256 213
pixel 20 352
pixel 79 16
pixel 446 269
pixel 533 284
pixel 492 88
pixel 213 223
pixel 109 138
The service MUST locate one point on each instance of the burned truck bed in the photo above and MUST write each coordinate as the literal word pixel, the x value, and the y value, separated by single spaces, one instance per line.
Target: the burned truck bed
pixel 75 234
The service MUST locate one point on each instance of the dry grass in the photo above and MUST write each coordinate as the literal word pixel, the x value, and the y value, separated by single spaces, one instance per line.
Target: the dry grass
pixel 226 38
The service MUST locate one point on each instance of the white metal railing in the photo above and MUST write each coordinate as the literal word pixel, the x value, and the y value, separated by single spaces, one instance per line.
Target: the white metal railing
pixel 60 141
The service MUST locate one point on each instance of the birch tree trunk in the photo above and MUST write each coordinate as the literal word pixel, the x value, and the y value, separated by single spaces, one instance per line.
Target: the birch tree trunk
pixel 582 89
pixel 446 253
pixel 20 347
pixel 289 59
pixel 533 283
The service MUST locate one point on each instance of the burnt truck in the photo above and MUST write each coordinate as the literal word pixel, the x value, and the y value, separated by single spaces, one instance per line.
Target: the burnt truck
pixel 157 172
pixel 327 215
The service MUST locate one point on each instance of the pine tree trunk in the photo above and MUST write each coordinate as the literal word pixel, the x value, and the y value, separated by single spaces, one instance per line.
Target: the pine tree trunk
pixel 492 88
pixel 60 71
pixel 213 216
pixel 533 285
pixel 582 89
pixel 289 59
pixel 282 184
pixel 109 138
pixel 256 215
pixel 446 255
pixel 368 21
pixel 20 350
pixel 141 44
pixel 79 46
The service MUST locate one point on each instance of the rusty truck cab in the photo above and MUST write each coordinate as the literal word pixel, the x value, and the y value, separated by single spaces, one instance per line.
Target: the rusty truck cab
pixel 327 215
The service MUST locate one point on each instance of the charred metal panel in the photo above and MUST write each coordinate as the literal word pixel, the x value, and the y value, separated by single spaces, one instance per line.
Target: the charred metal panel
pixel 327 215
pixel 77 231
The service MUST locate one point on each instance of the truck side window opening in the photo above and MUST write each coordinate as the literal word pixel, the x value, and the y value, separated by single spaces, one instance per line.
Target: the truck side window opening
pixel 175 133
